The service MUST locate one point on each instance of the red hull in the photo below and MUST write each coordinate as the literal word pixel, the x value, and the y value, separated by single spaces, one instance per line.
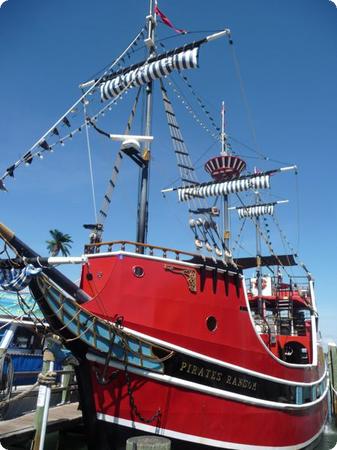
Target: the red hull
pixel 162 304
pixel 205 419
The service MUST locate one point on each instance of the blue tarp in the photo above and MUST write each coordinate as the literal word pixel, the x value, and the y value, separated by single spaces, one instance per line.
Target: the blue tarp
pixel 9 305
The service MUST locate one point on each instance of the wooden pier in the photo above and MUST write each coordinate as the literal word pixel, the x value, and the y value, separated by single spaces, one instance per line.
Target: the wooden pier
pixel 60 418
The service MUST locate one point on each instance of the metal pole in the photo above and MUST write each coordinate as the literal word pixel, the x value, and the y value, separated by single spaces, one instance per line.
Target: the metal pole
pixel 143 194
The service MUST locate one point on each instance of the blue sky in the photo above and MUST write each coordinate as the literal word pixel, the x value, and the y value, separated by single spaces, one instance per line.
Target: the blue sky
pixel 287 53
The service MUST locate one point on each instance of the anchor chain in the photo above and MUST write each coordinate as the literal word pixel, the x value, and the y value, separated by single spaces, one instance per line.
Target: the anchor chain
pixel 132 402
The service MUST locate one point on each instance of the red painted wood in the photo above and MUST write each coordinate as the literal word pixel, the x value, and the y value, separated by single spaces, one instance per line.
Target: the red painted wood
pixel 161 305
pixel 194 413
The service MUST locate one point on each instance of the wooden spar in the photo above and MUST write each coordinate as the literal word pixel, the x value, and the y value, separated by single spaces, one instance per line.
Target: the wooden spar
pixel 23 250
pixel 42 404
pixel 268 172
pixel 212 37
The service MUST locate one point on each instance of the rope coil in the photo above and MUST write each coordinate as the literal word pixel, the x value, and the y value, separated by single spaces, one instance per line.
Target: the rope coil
pixel 47 379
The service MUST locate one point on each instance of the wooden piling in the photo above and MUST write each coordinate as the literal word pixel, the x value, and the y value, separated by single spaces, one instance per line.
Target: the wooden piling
pixel 332 351
pixel 42 404
pixel 148 443
pixel 65 383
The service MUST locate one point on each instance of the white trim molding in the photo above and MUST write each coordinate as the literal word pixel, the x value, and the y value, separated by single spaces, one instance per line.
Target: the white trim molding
pixel 155 376
pixel 198 439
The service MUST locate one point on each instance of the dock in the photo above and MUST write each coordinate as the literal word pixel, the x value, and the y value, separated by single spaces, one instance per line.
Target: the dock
pixel 60 418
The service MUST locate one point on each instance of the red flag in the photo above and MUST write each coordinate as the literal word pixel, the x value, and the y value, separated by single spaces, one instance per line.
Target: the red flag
pixel 167 21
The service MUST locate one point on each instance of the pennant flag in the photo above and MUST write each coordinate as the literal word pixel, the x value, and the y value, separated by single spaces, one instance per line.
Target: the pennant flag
pixel 10 170
pixel 44 145
pixel 56 132
pixel 66 122
pixel 28 158
pixel 2 186
pixel 167 21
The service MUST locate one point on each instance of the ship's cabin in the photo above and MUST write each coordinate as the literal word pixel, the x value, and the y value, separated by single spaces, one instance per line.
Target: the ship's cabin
pixel 283 313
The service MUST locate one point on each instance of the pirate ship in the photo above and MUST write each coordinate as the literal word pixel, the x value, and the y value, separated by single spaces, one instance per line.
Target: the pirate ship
pixel 203 347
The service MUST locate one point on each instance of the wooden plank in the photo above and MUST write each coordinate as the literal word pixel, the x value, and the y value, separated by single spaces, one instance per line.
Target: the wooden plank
pixel 59 418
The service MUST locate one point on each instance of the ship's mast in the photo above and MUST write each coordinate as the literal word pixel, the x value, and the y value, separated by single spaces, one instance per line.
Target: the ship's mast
pixel 260 302
pixel 143 193
pixel 222 168
pixel 224 151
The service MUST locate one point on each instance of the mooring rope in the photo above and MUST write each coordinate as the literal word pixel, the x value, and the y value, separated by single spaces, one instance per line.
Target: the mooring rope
pixel 19 396
pixel 46 379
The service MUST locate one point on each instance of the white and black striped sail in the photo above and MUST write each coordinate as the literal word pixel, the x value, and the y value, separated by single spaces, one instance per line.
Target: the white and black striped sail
pixel 149 71
pixel 255 210
pixel 204 190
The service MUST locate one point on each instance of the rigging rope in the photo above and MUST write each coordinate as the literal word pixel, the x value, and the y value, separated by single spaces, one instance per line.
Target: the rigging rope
pixel 103 212
pixel 90 159
pixel 237 239
pixel 63 118
pixel 244 98
pixel 283 236
pixel 188 176
pixel 261 234
pixel 190 110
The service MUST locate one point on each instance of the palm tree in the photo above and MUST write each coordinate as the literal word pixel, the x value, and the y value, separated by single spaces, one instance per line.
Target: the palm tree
pixel 60 243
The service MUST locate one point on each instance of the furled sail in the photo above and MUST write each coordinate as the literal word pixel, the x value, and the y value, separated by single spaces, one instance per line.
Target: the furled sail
pixel 271 260
pixel 149 71
pixel 256 210
pixel 224 188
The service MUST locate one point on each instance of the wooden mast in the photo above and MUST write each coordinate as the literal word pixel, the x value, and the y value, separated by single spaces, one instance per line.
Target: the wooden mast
pixel 143 192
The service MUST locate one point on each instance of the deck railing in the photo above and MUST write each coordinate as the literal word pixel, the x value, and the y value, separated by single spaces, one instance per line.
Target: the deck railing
pixel 136 247
pixel 295 285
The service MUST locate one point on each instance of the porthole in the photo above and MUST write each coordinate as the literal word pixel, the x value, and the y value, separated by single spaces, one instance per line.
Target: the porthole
pixel 211 323
pixel 138 271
